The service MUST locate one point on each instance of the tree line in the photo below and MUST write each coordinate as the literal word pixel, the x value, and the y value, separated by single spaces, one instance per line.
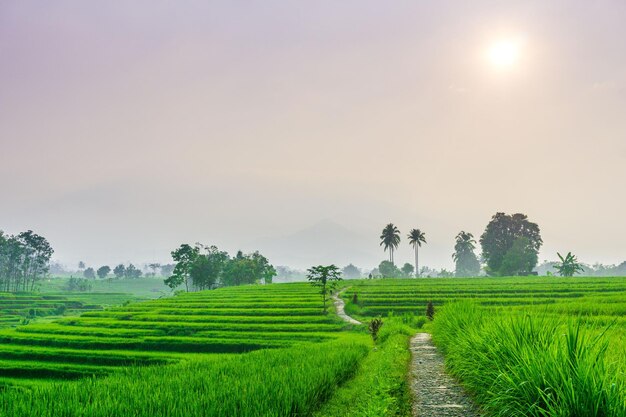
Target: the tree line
pixel 24 260
pixel 510 246
pixel 202 267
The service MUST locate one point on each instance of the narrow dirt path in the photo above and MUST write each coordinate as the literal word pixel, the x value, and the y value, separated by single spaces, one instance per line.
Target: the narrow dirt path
pixel 436 393
pixel 340 307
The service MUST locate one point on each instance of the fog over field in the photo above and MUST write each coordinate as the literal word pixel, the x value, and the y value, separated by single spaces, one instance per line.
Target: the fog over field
pixel 300 130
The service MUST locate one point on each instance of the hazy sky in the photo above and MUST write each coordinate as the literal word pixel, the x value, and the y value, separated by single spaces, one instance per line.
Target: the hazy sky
pixel 127 128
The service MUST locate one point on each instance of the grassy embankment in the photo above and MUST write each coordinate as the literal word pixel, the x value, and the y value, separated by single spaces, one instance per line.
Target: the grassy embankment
pixel 521 346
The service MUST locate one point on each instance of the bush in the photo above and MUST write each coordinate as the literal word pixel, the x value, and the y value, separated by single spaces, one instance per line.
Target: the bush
pixel 430 311
pixel 374 328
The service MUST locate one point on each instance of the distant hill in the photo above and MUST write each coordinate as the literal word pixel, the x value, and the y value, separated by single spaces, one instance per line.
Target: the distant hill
pixel 325 242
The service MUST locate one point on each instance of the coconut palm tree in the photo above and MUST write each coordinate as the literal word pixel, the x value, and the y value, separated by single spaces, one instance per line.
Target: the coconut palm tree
pixel 464 243
pixel 416 238
pixel 390 239
pixel 466 262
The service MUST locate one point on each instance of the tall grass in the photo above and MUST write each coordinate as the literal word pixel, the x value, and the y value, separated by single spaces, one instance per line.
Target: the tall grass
pixel 288 382
pixel 522 365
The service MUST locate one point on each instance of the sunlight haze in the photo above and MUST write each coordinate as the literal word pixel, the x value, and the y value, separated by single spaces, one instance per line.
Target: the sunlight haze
pixel 302 129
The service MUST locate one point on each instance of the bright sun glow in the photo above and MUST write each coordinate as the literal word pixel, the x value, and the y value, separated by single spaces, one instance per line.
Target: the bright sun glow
pixel 504 54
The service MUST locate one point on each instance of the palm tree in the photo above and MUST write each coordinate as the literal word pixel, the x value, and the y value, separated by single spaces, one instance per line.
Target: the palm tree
pixel 464 243
pixel 416 238
pixel 390 238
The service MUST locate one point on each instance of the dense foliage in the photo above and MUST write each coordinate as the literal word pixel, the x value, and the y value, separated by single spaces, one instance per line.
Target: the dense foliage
pixel 203 267
pixel 24 260
pixel 510 245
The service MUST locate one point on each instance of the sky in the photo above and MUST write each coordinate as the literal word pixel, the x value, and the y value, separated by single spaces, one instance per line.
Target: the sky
pixel 302 128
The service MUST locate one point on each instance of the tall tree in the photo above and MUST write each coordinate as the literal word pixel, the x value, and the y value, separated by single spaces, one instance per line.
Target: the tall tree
pixel 119 271
pixel 89 273
pixel 388 270
pixel 103 271
pixel 351 271
pixel 184 257
pixel 416 238
pixel 407 270
pixel 501 235
pixel 24 260
pixel 209 268
pixel 390 239
pixel 326 278
pixel 466 261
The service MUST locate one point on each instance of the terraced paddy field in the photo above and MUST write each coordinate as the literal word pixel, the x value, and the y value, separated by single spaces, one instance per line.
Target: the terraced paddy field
pixel 163 331
pixel 570 296
pixel 16 308
pixel 196 353
pixel 521 346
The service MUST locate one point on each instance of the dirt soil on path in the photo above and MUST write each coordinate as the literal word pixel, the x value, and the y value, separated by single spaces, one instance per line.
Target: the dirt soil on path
pixel 339 306
pixel 436 393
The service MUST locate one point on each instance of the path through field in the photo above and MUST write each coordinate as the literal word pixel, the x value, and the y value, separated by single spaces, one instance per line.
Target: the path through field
pixel 339 306
pixel 436 393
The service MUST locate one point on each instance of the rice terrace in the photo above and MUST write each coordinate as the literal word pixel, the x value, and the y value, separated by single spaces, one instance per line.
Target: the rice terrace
pixel 312 209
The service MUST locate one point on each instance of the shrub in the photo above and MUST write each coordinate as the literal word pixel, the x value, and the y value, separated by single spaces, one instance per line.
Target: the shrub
pixel 374 328
pixel 430 311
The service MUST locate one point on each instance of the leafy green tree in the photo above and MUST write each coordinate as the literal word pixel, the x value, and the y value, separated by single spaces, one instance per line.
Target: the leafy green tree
pixel 103 271
pixel 132 272
pixel 466 261
pixel 81 265
pixel 184 257
pixel 36 254
pixel 416 238
pixel 326 278
pixel 407 270
pixel 89 273
pixel 350 271
pixel 263 271
pixel 501 234
pixel 389 270
pixel 208 268
pixel 390 239
pixel 520 259
pixel 119 271
pixel 24 260
pixel 568 266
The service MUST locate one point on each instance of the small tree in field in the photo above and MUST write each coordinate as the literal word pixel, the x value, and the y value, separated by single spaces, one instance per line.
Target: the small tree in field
pixel 568 266
pixel 430 311
pixel 374 328
pixel 326 278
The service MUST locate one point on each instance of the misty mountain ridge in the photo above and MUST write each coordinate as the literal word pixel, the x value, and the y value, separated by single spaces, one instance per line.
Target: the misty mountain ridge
pixel 324 242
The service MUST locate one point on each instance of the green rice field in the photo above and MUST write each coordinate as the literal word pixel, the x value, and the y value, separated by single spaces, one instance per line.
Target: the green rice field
pixel 200 349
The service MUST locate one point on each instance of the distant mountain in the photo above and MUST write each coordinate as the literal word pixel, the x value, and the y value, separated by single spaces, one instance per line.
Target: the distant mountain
pixel 325 242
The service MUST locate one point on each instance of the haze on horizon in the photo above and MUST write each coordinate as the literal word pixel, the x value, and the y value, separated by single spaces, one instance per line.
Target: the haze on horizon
pixel 127 129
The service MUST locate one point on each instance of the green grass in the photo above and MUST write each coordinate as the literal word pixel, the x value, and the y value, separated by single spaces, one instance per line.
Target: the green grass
pixel 286 382
pixel 521 346
pixel 522 365
pixel 380 387
pixel 252 339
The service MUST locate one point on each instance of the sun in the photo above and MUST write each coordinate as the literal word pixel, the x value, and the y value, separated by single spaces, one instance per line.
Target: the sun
pixel 504 54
